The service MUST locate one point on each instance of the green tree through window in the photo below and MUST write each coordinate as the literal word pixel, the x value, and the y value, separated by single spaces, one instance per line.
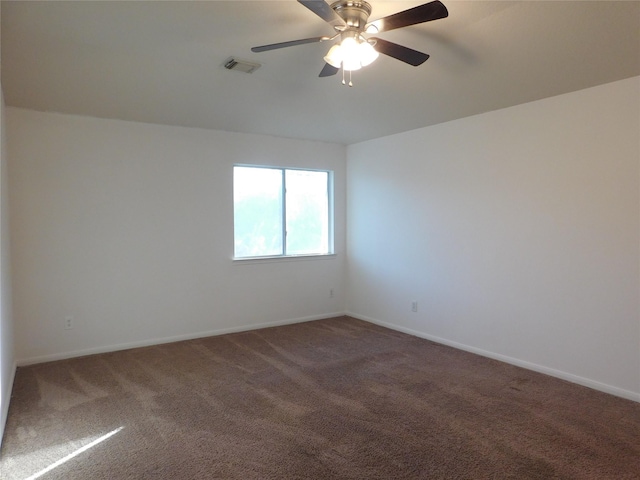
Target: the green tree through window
pixel 281 212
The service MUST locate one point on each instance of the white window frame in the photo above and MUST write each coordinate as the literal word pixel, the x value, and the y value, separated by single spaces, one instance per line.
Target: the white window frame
pixel 330 215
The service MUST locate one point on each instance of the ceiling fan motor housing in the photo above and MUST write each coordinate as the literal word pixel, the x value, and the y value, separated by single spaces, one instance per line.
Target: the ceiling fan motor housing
pixel 354 13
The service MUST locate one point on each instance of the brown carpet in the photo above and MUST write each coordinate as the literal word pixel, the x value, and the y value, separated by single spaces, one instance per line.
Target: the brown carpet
pixel 329 399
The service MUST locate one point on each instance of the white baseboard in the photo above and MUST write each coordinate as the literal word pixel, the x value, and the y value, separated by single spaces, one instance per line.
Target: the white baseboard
pixel 5 405
pixel 585 382
pixel 178 338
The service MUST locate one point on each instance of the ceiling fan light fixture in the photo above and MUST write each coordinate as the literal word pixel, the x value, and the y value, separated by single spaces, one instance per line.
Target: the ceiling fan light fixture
pixel 351 54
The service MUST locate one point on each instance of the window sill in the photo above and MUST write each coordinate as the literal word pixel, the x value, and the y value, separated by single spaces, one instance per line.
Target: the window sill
pixel 277 259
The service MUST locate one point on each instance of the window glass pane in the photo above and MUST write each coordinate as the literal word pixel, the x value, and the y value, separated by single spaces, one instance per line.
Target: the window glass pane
pixel 257 206
pixel 307 212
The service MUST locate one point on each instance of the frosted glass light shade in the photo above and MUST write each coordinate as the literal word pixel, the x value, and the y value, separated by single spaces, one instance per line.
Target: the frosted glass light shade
pixel 351 64
pixel 350 54
pixel 367 53
pixel 334 56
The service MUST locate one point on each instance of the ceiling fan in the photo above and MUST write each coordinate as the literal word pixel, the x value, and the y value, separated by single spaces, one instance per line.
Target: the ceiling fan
pixel 355 49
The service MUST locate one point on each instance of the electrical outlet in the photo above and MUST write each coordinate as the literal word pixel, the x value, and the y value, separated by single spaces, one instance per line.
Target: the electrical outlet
pixel 68 323
pixel 331 295
pixel 414 306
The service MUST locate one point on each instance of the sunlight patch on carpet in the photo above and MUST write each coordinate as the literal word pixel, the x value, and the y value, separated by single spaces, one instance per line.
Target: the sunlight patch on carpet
pixel 74 454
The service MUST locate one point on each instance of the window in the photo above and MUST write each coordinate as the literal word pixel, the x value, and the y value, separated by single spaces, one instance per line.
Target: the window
pixel 281 212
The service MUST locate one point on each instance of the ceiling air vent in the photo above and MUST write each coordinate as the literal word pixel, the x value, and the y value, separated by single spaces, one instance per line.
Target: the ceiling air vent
pixel 240 65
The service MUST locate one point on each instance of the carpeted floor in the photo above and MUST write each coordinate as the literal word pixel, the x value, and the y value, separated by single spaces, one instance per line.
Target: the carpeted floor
pixel 329 399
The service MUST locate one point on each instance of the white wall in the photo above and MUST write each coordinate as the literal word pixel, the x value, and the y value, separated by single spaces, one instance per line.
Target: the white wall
pixel 517 231
pixel 128 228
pixel 7 359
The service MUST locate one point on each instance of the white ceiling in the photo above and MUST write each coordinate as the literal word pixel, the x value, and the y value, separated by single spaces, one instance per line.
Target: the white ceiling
pixel 161 62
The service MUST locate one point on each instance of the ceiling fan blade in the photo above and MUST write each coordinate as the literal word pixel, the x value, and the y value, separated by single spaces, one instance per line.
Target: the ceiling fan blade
pixel 420 14
pixel 274 46
pixel 328 70
pixel 324 11
pixel 404 54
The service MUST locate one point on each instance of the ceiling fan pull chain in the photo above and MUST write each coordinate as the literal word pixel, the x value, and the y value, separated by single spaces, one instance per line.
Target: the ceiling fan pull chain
pixel 350 82
pixel 343 82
